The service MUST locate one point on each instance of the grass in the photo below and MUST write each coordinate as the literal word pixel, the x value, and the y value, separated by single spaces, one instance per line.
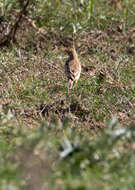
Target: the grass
pixel 52 140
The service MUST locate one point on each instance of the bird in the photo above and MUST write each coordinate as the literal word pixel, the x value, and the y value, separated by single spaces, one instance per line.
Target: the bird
pixel 72 68
pixel 116 3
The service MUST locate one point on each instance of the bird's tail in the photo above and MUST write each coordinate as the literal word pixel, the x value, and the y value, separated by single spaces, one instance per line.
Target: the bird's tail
pixel 70 84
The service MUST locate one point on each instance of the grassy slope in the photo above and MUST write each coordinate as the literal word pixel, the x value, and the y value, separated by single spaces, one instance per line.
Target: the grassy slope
pixel 33 85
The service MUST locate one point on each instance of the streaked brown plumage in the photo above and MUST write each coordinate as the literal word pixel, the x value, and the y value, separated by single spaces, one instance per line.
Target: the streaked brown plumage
pixel 72 68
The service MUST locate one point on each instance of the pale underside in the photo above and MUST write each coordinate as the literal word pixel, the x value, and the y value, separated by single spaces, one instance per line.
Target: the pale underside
pixel 72 70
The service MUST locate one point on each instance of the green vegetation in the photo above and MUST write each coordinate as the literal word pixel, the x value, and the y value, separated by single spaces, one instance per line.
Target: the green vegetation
pixel 52 140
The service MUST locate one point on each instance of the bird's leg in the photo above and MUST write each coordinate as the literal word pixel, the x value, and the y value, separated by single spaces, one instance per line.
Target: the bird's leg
pixel 75 83
pixel 68 91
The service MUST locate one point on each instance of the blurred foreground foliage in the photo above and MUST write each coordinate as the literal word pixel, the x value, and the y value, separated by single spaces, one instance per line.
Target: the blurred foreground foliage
pixel 55 156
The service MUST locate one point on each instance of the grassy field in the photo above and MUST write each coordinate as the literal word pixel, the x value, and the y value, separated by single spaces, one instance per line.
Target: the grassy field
pixel 50 139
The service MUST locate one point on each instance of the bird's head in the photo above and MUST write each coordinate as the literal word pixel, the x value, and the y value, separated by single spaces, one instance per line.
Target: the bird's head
pixel 70 51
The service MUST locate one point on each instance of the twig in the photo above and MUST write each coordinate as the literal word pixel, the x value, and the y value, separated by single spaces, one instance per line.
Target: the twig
pixel 11 35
